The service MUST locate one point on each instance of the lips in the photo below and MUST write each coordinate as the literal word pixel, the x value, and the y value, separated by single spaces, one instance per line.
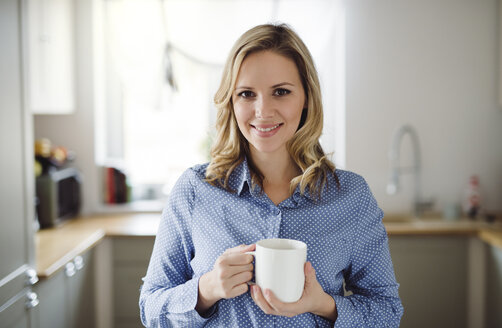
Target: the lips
pixel 266 130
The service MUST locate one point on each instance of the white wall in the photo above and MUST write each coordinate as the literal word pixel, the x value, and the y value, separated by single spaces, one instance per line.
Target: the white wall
pixel 434 64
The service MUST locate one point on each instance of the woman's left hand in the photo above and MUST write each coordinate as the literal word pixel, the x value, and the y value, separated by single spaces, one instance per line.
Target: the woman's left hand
pixel 313 299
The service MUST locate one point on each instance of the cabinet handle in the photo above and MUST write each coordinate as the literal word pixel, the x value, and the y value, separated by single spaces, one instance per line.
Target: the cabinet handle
pixel 31 300
pixel 79 262
pixel 31 276
pixel 70 269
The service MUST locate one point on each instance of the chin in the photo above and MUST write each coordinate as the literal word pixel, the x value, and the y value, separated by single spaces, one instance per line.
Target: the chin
pixel 265 148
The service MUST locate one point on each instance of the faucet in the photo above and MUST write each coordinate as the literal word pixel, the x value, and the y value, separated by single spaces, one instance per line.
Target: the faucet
pixel 419 205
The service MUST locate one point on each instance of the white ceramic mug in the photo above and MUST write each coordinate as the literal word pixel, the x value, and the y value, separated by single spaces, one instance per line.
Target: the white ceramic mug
pixel 279 266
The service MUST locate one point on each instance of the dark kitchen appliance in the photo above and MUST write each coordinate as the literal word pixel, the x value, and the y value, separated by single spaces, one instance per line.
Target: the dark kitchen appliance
pixel 59 195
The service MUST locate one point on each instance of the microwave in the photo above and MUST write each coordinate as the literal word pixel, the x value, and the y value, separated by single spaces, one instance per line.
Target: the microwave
pixel 59 196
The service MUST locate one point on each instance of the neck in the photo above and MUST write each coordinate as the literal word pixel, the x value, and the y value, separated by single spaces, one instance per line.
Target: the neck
pixel 277 167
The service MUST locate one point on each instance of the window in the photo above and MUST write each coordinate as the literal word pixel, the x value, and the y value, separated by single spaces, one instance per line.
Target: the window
pixel 163 64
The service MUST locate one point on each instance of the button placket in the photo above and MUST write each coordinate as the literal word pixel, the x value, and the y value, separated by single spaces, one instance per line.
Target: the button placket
pixel 276 221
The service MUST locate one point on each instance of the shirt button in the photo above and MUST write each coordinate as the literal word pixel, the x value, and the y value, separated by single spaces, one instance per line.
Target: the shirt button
pixel 277 211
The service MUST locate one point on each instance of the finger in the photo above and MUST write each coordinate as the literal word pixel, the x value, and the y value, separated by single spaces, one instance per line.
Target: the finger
pixel 241 248
pixel 309 271
pixel 238 258
pixel 240 278
pixel 260 300
pixel 278 306
pixel 248 248
pixel 273 301
pixel 235 259
pixel 227 272
pixel 235 291
pixel 239 290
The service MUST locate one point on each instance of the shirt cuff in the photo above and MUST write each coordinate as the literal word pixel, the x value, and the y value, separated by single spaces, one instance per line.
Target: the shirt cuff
pixel 211 311
pixel 188 301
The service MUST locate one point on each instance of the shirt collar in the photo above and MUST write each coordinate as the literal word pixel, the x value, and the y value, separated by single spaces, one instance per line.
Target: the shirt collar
pixel 241 177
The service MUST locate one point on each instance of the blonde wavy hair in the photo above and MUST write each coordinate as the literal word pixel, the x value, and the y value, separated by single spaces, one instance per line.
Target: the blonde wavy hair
pixel 231 147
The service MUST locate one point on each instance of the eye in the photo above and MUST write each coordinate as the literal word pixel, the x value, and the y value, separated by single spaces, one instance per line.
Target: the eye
pixel 246 94
pixel 281 92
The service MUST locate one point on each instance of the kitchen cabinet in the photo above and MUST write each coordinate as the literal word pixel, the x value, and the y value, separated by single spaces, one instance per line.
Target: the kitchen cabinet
pixel 432 273
pixel 67 297
pixel 17 300
pixel 52 310
pixel 130 262
pixel 81 291
pixel 51 56
pixel 494 287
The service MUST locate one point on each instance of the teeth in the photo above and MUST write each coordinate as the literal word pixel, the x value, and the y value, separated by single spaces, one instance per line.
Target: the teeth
pixel 267 129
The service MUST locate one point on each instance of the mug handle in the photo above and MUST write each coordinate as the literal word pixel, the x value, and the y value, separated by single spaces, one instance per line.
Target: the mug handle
pixel 251 283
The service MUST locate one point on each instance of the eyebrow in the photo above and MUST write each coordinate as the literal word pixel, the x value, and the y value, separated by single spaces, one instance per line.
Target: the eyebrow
pixel 273 87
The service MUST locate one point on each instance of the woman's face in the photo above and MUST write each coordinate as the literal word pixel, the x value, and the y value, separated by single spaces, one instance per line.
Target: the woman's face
pixel 268 101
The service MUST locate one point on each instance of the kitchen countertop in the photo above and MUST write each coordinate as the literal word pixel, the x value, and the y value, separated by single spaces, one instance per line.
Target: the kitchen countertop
pixel 56 246
pixel 492 237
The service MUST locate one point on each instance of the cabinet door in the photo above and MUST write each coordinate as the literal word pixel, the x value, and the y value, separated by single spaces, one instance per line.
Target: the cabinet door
pixel 81 292
pixel 53 307
pixel 67 297
pixel 494 287
pixel 130 262
pixel 15 315
pixel 16 177
pixel 432 273
pixel 51 57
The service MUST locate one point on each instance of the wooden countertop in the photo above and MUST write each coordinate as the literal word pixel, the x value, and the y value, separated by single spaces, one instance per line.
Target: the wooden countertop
pixel 56 246
pixel 437 226
pixel 492 237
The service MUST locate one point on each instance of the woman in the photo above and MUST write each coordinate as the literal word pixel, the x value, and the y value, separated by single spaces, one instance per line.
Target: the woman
pixel 269 178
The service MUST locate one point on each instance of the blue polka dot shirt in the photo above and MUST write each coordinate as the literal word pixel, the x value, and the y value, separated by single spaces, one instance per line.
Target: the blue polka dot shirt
pixel 346 242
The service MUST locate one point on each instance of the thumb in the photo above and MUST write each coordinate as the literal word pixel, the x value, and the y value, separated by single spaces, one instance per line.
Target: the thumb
pixel 309 272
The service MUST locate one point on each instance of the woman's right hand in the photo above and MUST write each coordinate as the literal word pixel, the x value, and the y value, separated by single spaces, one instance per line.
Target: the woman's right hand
pixel 228 278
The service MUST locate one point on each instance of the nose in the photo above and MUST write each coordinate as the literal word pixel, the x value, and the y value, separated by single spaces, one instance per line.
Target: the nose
pixel 264 108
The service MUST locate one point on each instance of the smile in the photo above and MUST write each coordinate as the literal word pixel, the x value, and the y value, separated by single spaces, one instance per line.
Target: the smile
pixel 267 129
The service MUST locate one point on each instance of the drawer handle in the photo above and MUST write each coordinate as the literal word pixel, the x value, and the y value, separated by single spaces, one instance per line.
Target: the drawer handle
pixel 31 276
pixel 70 269
pixel 31 300
pixel 79 262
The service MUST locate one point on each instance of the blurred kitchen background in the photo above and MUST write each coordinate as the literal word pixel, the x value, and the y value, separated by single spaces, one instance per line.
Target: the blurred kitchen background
pixel 104 103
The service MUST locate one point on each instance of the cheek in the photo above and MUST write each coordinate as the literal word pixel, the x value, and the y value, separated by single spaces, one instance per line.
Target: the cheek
pixel 294 113
pixel 241 116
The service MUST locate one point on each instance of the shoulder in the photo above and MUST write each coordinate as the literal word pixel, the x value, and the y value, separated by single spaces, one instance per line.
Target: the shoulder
pixel 350 181
pixel 190 179
pixel 197 172
pixel 347 185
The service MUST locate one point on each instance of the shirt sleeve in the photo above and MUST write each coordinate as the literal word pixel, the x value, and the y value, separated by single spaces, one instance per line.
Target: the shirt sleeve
pixel 169 293
pixel 370 276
